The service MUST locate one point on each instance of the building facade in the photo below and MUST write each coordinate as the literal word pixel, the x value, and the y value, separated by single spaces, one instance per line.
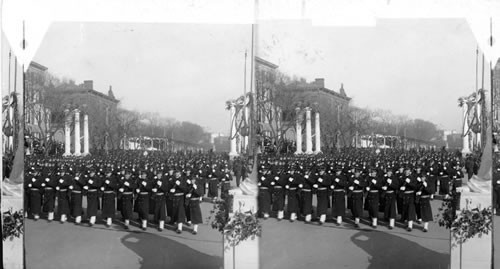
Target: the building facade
pixel 99 107
pixel 496 97
pixel 331 105
pixel 37 114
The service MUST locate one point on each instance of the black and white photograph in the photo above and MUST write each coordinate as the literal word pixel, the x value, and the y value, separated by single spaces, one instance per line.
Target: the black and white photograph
pixel 250 135
pixel 372 154
pixel 126 143
pixel 496 162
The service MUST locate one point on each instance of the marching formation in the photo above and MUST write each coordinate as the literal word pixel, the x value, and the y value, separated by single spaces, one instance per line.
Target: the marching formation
pixel 161 187
pixel 388 183
pixel 157 186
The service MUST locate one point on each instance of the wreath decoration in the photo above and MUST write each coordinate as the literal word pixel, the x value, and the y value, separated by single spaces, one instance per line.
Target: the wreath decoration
pixel 466 223
pixel 13 224
pixel 236 228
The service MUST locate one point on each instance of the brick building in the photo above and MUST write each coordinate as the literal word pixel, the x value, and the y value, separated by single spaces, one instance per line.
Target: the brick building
pixel 101 110
pixel 278 96
pixel 315 94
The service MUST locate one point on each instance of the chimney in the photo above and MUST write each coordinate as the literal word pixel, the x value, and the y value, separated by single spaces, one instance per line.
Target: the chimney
pixel 341 90
pixel 110 92
pixel 88 84
pixel 320 82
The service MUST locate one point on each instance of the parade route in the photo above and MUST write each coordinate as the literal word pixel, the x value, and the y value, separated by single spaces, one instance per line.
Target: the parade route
pixel 299 245
pixel 496 241
pixel 55 245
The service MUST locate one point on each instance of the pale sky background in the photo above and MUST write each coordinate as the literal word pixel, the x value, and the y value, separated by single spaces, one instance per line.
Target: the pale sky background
pixel 182 71
pixel 413 67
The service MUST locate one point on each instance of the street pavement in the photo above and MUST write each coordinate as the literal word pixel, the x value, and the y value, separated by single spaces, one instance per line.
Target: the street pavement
pixel 496 241
pixel 55 245
pixel 299 245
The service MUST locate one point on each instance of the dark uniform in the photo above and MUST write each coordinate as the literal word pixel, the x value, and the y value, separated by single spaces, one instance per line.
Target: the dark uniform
pixel 306 196
pixel 496 187
pixel 211 175
pixel 444 180
pixel 238 170
pixel 108 189
pixel 408 185
pixel 159 191
pixel 278 183
pixel 144 187
pixel 357 183
pixel 77 196
pixel 390 188
pixel 322 183
pixel 127 185
pixel 49 192
pixel 34 185
pixel 177 190
pixel 423 195
pixel 194 196
pixel 292 194
pixel 63 195
pixel 93 183
pixel 264 196
pixel 373 197
pixel 339 184
pixel 169 198
pixel 225 182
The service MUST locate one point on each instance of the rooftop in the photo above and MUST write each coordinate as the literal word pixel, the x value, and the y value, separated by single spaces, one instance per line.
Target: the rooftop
pixel 318 85
pixel 264 62
pixel 86 87
pixel 38 66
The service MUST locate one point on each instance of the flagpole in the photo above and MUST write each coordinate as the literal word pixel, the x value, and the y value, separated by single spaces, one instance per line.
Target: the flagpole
pixel 252 138
pixel 245 138
pixel 491 125
pixel 11 109
pixel 9 112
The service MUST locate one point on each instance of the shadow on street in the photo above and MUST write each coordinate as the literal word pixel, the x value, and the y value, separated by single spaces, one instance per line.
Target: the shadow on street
pixel 160 252
pixel 403 253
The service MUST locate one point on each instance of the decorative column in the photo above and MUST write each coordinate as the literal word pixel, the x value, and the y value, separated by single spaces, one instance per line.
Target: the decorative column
pixel 86 135
pixel 232 132
pixel 478 135
pixel 67 134
pixel 245 138
pixel 308 131
pixel 10 139
pixel 465 139
pixel 77 133
pixel 317 133
pixel 298 130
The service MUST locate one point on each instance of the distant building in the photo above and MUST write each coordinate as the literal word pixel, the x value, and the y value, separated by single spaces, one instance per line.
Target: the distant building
pixel 496 96
pixel 265 84
pixel 86 97
pixel 315 93
pixel 37 115
pixel 221 143
pixel 329 103
pixel 277 111
pixel 101 109
pixel 454 141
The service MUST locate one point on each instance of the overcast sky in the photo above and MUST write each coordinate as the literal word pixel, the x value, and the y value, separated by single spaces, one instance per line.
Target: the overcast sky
pixel 417 68
pixel 413 67
pixel 183 71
